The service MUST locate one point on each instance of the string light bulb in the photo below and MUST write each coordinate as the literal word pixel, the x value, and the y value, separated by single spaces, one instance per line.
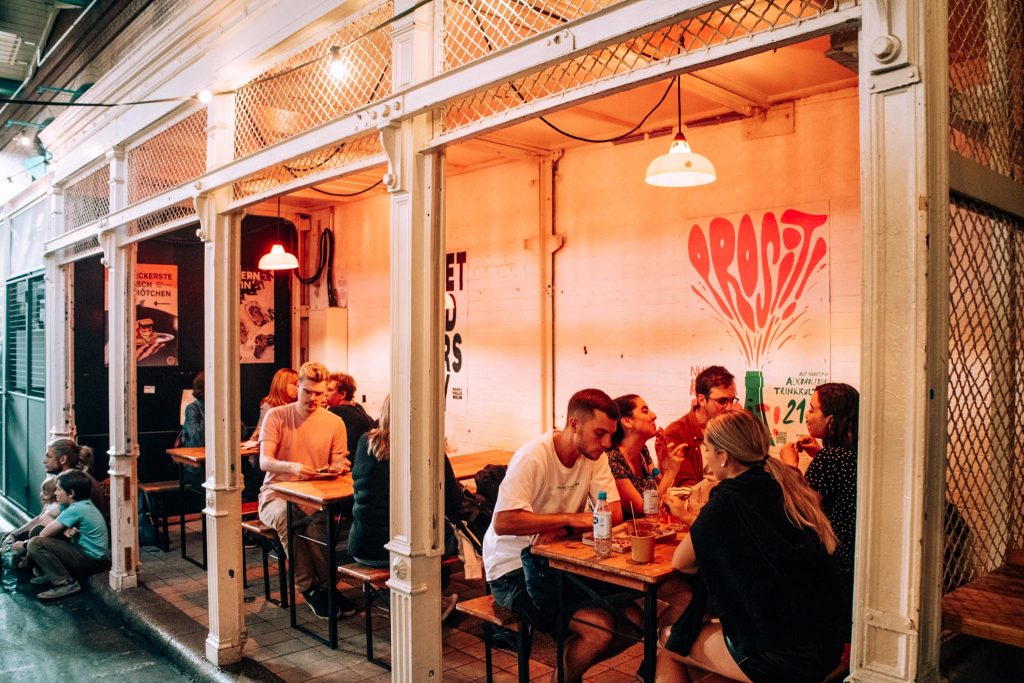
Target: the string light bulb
pixel 205 96
pixel 24 140
pixel 337 66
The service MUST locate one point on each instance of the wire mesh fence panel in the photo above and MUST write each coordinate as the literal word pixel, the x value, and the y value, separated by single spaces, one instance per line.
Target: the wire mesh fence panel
pixel 171 157
pixel 317 162
pixel 986 83
pixel 723 25
pixel 176 214
pixel 88 199
pixel 474 28
pixel 984 484
pixel 307 90
pixel 79 250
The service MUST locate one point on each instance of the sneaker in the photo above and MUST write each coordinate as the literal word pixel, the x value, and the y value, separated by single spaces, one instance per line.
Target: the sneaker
pixel 317 602
pixel 448 603
pixel 346 607
pixel 58 592
pixel 40 580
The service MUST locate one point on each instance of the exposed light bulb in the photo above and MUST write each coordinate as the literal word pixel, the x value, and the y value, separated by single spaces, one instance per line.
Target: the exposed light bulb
pixel 24 140
pixel 205 96
pixel 338 66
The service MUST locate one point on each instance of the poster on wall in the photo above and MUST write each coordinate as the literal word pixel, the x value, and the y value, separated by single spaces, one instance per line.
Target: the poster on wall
pixel 156 315
pixel 455 322
pixel 760 293
pixel 256 317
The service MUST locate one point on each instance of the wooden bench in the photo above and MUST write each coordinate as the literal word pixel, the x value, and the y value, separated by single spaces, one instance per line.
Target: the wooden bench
pixel 991 606
pixel 492 614
pixel 267 540
pixel 157 512
pixel 373 581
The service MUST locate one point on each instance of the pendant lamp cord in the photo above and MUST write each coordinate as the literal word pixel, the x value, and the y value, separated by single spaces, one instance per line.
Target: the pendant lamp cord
pixel 326 261
pixel 679 104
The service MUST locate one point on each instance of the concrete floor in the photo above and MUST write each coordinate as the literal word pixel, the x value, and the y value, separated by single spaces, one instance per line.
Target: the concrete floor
pixel 75 639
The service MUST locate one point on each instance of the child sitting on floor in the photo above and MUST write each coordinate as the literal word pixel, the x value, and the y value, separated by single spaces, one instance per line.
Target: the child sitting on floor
pixel 51 508
pixel 74 544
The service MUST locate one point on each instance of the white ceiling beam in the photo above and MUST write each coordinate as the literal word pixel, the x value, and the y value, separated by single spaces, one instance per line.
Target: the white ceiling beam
pixel 743 100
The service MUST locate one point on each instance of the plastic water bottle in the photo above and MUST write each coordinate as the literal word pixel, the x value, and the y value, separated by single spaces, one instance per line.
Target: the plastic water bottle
pixel 602 526
pixel 652 501
pixel 10 568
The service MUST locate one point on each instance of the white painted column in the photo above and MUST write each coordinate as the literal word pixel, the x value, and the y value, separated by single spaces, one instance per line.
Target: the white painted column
pixel 60 422
pixel 417 377
pixel 904 203
pixel 223 511
pixel 124 450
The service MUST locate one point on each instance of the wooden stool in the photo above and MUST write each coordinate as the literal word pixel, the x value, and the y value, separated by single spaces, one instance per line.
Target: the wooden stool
pixel 373 581
pixel 158 513
pixel 266 538
pixel 491 613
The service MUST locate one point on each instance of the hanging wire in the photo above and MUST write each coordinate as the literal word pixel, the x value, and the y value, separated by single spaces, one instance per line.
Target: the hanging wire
pixel 325 261
pixel 623 135
pixel 348 194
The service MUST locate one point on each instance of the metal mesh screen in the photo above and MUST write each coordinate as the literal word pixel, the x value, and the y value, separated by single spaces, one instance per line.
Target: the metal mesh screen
pixel 985 470
pixel 176 214
pixel 332 156
pixel 474 28
pixel 167 159
pixel 80 249
pixel 986 83
pixel 88 199
pixel 724 25
pixel 301 93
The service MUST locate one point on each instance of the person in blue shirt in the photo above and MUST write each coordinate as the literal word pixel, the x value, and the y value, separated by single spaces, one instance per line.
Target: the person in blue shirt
pixel 75 544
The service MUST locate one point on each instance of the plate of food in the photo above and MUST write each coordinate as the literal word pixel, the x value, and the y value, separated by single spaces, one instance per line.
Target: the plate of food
pixel 620 536
pixel 326 473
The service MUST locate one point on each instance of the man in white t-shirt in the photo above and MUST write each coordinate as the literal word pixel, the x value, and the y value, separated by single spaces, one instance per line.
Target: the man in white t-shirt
pixel 296 440
pixel 543 497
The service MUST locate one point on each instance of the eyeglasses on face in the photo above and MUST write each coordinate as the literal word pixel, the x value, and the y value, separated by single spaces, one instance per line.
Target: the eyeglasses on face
pixel 724 400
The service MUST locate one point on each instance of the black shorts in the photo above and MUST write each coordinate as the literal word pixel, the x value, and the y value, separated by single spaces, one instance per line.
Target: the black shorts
pixel 810 663
pixel 531 592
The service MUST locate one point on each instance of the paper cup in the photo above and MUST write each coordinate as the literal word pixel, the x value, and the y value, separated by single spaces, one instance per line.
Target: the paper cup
pixel 642 547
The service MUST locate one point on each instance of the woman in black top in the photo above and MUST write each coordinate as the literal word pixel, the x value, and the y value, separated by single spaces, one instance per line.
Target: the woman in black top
pixel 371 483
pixel 761 550
pixel 832 418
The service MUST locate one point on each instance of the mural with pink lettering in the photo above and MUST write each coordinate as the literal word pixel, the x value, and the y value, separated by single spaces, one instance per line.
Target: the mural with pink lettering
pixel 762 276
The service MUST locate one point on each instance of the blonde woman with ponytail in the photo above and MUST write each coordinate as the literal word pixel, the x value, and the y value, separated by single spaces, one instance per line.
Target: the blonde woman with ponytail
pixel 761 552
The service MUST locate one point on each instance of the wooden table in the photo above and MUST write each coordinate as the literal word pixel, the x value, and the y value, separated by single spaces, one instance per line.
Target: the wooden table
pixel 467 465
pixel 194 457
pixel 323 494
pixel 572 558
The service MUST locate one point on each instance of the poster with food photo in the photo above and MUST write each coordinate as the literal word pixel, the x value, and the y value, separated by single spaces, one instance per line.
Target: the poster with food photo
pixel 156 315
pixel 256 317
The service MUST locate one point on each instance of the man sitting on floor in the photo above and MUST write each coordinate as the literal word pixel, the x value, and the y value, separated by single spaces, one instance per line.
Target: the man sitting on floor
pixel 542 497
pixel 74 544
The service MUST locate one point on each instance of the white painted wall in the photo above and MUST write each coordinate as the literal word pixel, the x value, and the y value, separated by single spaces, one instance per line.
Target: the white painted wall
pixel 618 291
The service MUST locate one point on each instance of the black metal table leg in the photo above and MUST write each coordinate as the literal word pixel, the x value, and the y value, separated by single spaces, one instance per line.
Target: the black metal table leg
pixel 181 509
pixel 291 565
pixel 560 630
pixel 332 575
pixel 650 632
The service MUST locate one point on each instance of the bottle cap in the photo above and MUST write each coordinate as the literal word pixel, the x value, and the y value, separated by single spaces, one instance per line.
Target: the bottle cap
pixel 601 495
pixel 655 472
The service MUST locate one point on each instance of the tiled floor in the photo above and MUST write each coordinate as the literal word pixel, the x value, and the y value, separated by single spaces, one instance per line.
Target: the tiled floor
pixel 294 657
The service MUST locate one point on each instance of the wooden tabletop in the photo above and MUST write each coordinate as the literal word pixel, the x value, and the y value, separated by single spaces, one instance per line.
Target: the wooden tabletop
pixel 572 555
pixel 468 464
pixel 319 492
pixel 195 456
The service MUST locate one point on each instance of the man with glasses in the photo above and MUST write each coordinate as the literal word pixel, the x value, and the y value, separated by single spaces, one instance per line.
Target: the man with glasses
pixel 716 393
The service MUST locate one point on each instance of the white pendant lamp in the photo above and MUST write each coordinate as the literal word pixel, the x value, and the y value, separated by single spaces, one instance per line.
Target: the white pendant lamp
pixel 681 167
pixel 277 258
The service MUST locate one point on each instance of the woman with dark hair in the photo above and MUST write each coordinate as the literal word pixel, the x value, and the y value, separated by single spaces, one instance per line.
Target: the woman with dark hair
pixel 761 550
pixel 193 431
pixel 832 472
pixel 630 459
